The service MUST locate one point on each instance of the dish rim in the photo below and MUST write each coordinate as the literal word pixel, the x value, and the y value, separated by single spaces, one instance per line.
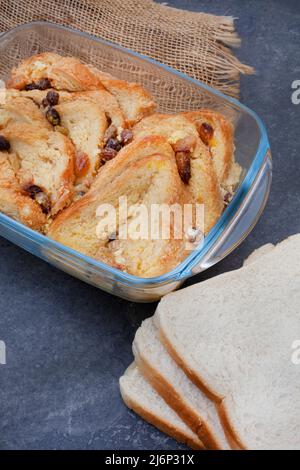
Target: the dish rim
pixel 180 272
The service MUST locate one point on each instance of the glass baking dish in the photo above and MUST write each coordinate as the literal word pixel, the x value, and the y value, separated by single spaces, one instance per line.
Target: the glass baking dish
pixel 173 92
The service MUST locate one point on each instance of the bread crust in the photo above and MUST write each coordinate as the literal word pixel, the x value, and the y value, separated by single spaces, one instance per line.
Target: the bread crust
pixel 134 100
pixel 64 73
pixel 168 393
pixel 230 432
pixel 70 74
pixel 218 122
pixel 162 425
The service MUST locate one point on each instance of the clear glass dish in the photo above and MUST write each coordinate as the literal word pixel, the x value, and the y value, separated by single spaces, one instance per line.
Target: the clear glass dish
pixel 173 91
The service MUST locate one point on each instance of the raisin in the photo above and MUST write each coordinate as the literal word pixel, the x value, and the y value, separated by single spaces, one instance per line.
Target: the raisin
pixel 41 84
pixel 4 144
pixel 126 136
pixel 52 99
pixel 30 86
pixel 36 193
pixel 183 160
pixel 206 133
pixel 108 154
pixel 32 190
pixel 53 117
pixel 113 144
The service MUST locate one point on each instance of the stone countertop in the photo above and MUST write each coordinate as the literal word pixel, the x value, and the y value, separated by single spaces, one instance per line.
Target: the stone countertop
pixel 67 342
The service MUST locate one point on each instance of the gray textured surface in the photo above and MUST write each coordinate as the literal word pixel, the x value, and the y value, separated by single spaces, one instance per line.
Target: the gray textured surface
pixel 68 343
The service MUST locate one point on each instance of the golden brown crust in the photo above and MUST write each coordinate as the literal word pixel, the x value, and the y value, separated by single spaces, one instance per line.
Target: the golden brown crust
pixel 235 442
pixel 134 100
pixel 163 426
pixel 149 145
pixel 229 430
pixel 171 397
pixel 69 74
pixel 87 117
pixel 64 73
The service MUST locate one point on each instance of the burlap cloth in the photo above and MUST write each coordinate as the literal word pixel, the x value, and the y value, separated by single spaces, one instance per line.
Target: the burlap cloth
pixel 197 44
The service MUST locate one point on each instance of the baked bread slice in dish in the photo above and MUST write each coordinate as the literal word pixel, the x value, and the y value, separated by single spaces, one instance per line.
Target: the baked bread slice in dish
pixel 216 133
pixel 151 179
pixel 138 395
pixel 50 70
pixel 199 175
pixel 14 202
pixel 134 100
pixel 46 164
pixel 17 108
pixel 93 121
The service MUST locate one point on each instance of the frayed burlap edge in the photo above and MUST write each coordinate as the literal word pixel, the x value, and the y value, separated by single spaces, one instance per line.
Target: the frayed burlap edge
pixel 197 44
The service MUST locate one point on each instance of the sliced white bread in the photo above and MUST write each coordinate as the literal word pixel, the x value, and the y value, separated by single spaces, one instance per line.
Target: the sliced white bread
pixel 256 254
pixel 139 396
pixel 193 407
pixel 233 336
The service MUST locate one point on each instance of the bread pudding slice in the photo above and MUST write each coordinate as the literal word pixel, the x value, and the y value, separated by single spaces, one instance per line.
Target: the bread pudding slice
pixel 150 179
pixel 217 134
pixel 45 160
pixel 17 108
pixel 134 100
pixel 93 121
pixel 14 202
pixel 50 70
pixel 193 160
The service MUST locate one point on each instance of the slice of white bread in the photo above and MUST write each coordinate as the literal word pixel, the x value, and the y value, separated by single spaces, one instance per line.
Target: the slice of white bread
pixel 256 254
pixel 193 407
pixel 233 336
pixel 139 396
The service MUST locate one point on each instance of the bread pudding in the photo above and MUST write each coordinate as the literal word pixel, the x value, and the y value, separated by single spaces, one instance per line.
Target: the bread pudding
pixel 75 140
